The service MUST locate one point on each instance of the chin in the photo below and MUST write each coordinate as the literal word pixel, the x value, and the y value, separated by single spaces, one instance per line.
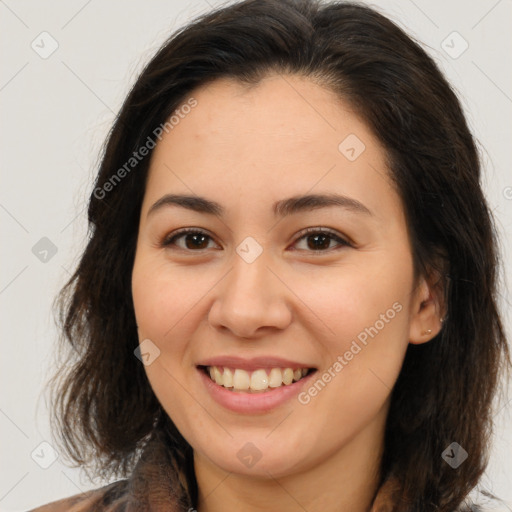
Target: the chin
pixel 261 454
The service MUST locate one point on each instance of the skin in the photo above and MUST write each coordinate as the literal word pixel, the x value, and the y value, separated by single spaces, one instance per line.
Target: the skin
pixel 246 148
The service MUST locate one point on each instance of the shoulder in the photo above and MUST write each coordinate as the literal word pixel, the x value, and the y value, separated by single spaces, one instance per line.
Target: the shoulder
pixel 111 494
pixel 481 500
pixel 75 503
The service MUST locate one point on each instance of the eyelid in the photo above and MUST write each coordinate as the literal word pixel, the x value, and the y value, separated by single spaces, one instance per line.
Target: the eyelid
pixel 342 240
pixel 166 241
pixel 327 231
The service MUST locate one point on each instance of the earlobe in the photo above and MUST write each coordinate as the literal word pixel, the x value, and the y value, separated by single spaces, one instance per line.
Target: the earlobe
pixel 427 313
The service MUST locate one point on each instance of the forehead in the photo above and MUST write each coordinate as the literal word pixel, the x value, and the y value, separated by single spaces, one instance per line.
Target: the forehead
pixel 285 135
pixel 281 112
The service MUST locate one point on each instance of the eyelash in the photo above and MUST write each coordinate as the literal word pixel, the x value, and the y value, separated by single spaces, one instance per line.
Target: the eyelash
pixel 170 239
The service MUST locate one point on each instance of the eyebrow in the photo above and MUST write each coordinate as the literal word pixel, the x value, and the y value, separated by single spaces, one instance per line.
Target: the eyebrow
pixel 280 208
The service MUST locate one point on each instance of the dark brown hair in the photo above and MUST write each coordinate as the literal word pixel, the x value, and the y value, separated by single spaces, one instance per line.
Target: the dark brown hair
pixel 104 406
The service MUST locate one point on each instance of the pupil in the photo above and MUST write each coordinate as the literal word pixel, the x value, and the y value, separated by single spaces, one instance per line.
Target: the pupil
pixel 194 244
pixel 321 245
pixel 321 241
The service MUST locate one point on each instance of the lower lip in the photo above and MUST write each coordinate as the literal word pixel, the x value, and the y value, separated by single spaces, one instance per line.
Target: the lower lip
pixel 241 402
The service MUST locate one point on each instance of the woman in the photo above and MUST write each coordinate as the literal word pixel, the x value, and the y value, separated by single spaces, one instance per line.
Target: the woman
pixel 288 300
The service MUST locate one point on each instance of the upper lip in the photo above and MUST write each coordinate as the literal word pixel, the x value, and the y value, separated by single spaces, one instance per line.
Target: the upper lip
pixel 253 363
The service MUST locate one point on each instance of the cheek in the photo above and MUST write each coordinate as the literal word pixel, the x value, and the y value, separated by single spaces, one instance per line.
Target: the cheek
pixel 348 299
pixel 361 328
pixel 164 298
pixel 163 302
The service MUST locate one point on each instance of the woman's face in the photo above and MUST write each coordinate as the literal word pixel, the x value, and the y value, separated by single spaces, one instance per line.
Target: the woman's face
pixel 261 300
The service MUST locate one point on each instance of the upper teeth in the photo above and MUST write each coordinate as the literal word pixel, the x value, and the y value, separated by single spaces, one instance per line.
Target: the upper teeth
pixel 257 380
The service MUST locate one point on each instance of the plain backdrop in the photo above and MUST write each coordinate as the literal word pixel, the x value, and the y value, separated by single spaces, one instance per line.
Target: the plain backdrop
pixel 66 68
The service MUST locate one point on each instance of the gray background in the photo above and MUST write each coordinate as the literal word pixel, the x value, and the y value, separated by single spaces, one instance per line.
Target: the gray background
pixel 57 110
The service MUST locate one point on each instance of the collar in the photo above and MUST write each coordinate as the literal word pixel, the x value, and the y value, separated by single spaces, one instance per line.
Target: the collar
pixel 157 484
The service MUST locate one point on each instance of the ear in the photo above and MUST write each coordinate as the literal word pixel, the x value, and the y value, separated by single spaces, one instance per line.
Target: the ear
pixel 427 309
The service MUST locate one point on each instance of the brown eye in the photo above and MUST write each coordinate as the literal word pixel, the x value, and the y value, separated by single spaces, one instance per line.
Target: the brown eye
pixel 319 240
pixel 193 240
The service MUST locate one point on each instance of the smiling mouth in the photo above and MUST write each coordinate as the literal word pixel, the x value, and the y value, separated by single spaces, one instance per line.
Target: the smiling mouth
pixel 263 380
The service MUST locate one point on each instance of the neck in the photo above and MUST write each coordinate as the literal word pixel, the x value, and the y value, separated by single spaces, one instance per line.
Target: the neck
pixel 345 480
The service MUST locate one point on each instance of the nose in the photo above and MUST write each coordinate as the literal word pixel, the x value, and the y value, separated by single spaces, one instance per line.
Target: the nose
pixel 251 300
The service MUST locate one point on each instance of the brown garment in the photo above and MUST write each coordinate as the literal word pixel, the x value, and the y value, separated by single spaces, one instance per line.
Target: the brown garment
pixel 155 485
